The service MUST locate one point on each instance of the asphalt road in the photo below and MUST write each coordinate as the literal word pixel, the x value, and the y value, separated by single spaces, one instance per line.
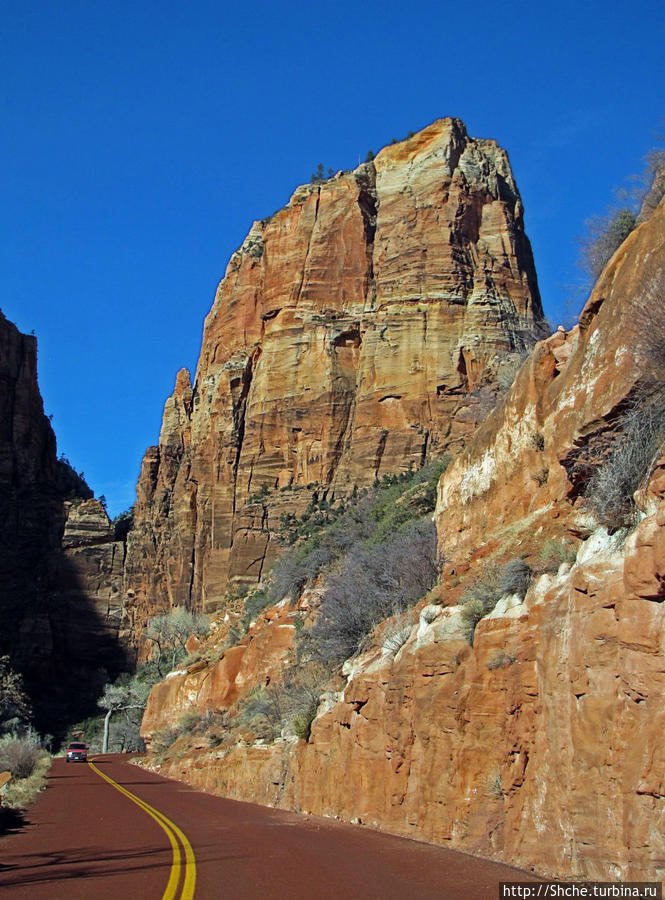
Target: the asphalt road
pixel 116 831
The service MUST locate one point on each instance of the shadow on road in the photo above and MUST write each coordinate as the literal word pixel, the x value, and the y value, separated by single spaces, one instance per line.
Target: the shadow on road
pixel 11 821
pixel 85 862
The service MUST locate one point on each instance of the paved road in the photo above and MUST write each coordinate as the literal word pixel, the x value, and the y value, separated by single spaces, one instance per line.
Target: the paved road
pixel 116 831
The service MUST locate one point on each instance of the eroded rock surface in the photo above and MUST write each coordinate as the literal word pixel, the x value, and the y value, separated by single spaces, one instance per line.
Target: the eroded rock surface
pixel 358 331
pixel 540 744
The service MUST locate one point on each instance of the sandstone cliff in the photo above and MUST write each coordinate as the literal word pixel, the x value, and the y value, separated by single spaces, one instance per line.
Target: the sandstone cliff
pixel 52 631
pixel 358 331
pixel 541 742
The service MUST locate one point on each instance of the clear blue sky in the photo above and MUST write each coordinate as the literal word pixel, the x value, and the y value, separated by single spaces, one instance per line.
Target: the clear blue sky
pixel 141 139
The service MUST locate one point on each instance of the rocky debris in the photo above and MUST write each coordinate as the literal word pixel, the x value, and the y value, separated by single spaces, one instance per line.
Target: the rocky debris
pixel 358 331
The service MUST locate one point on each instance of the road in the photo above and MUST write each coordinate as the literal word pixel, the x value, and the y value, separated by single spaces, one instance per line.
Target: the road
pixel 113 830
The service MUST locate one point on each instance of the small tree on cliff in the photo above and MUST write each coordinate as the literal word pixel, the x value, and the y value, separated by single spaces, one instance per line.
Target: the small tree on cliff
pixel 169 633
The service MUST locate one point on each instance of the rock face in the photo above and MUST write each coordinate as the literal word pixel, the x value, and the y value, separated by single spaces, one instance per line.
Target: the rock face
pixel 541 743
pixel 357 331
pixel 89 578
pixel 44 592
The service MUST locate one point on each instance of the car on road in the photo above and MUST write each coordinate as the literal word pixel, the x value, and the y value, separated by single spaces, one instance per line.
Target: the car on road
pixel 77 752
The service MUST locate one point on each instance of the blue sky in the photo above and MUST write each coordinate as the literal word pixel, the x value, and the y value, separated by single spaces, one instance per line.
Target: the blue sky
pixel 140 140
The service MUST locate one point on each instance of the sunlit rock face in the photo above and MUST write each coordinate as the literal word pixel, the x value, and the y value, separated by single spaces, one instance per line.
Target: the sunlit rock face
pixel 541 743
pixel 358 331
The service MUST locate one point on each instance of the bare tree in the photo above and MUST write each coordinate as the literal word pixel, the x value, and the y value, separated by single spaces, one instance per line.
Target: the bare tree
pixel 122 698
pixel 169 634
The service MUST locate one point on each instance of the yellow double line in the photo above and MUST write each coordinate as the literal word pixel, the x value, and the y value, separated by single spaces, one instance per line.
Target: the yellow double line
pixel 174 834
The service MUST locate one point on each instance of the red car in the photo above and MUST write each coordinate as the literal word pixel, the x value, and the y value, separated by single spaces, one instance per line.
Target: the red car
pixel 77 752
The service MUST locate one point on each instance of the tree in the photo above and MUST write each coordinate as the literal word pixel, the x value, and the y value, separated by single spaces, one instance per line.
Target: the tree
pixel 122 698
pixel 169 634
pixel 14 702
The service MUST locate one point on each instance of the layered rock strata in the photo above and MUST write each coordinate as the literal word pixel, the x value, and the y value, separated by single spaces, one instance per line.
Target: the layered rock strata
pixel 540 743
pixel 357 332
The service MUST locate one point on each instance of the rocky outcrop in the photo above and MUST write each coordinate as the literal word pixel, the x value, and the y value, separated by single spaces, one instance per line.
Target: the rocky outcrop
pixel 540 742
pixel 89 577
pixel 358 331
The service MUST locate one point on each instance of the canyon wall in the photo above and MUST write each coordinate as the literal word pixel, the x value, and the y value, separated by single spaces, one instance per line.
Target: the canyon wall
pixel 360 330
pixel 55 633
pixel 539 743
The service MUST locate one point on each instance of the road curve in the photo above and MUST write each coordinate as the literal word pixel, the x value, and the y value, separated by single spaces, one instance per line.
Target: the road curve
pixel 123 833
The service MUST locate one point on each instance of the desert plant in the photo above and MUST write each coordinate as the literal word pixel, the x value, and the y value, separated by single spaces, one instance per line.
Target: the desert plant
pixel 19 753
pixel 288 704
pixel 605 234
pixel 485 591
pixel 494 784
pixel 501 659
pixel 637 442
pixel 553 553
pixel 169 633
pixel 396 637
pixel 163 740
pixel 375 582
pixel 21 791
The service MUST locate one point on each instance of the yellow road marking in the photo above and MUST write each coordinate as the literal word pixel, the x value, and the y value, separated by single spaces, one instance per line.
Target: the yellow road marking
pixel 172 831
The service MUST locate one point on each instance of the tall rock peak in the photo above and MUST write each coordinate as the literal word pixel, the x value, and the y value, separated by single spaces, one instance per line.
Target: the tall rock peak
pixel 351 337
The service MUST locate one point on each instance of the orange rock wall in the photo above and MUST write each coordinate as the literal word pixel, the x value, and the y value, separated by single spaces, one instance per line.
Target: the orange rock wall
pixel 541 745
pixel 345 342
pixel 552 760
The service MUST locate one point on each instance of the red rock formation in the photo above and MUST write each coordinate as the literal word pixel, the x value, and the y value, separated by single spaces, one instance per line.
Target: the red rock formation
pixel 345 341
pixel 542 743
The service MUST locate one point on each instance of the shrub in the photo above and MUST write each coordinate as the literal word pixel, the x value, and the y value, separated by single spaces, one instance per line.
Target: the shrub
pixel 537 441
pixel 494 785
pixel 291 703
pixel 605 234
pixel 483 594
pixel 501 659
pixel 637 443
pixel 162 740
pixel 375 582
pixel 169 633
pixel 14 703
pixel 19 754
pixel 553 553
pixel 21 793
pixel 396 638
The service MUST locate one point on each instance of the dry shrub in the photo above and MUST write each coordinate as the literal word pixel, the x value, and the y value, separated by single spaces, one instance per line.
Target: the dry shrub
pixel 483 594
pixel 19 754
pixel 375 582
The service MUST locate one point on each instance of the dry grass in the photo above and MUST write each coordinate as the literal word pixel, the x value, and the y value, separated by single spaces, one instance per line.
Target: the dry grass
pixel 20 793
